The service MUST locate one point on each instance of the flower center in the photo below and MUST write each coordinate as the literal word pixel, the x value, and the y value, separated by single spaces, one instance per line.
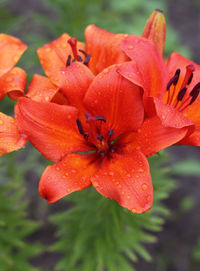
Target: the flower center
pixel 97 134
pixel 85 57
pixel 178 94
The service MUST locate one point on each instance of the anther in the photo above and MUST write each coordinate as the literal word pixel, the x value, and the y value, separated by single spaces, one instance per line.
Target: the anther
pixel 190 79
pixel 87 60
pixel 99 137
pixel 110 133
pixel 194 97
pixel 83 52
pixel 181 94
pixel 195 88
pixel 80 58
pixel 80 127
pixel 100 118
pixel 68 60
pixel 174 79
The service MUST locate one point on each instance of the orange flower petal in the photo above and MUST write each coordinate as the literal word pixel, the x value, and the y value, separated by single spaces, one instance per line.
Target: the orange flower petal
pixel 41 89
pixel 53 55
pixel 193 139
pixel 126 179
pixel 13 83
pixel 117 100
pixel 149 62
pixel 71 174
pixel 104 48
pixel 11 50
pixel 10 139
pixel 51 128
pixel 169 116
pixel 74 81
pixel 152 137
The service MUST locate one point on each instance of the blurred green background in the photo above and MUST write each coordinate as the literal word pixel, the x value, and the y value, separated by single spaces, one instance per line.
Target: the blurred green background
pixel 38 236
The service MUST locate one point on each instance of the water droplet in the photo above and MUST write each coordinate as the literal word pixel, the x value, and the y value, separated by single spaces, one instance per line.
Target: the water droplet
pixel 68 190
pixel 128 197
pixel 130 47
pixel 140 170
pixel 73 171
pixel 149 198
pixel 111 173
pixel 1 122
pixel 144 186
pixel 57 168
pixel 128 175
pixel 134 210
pixel 95 184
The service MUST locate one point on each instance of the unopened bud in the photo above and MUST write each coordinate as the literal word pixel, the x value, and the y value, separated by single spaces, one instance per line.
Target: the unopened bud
pixel 155 29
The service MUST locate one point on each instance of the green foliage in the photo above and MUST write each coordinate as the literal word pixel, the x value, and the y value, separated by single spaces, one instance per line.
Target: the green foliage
pixel 97 234
pixel 15 227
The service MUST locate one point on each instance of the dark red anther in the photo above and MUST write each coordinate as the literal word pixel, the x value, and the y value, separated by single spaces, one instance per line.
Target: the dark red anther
pixel 87 60
pixel 195 88
pixel 110 133
pixel 73 43
pixel 181 94
pixel 83 52
pixel 190 79
pixel 68 60
pixel 99 137
pixel 100 118
pixel 80 127
pixel 194 97
pixel 174 79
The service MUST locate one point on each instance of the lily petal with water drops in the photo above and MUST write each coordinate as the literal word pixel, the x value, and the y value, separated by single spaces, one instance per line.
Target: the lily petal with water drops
pixel 12 82
pixel 171 91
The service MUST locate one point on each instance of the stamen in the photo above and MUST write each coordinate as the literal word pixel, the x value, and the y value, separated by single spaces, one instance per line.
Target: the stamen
pixel 110 133
pixel 195 88
pixel 83 52
pixel 68 60
pixel 99 137
pixel 80 58
pixel 174 79
pixel 181 94
pixel 80 127
pixel 194 97
pixel 73 43
pixel 87 60
pixel 190 79
pixel 100 118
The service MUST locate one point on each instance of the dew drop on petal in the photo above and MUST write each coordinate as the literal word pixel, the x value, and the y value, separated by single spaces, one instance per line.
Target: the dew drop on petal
pixel 111 173
pixel 134 210
pixel 144 186
pixel 128 197
pixel 1 122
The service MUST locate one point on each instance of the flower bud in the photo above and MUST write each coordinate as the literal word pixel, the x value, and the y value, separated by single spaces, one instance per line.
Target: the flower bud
pixel 155 29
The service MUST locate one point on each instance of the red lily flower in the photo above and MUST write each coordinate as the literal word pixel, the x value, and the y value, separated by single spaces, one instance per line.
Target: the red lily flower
pixel 106 147
pixel 12 82
pixel 171 91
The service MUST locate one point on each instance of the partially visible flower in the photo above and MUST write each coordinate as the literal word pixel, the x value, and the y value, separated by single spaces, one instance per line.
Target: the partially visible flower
pixel 171 91
pixel 12 82
pixel 98 139
pixel 101 49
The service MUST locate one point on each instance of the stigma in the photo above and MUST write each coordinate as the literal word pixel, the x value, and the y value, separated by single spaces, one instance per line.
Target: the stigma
pixel 85 58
